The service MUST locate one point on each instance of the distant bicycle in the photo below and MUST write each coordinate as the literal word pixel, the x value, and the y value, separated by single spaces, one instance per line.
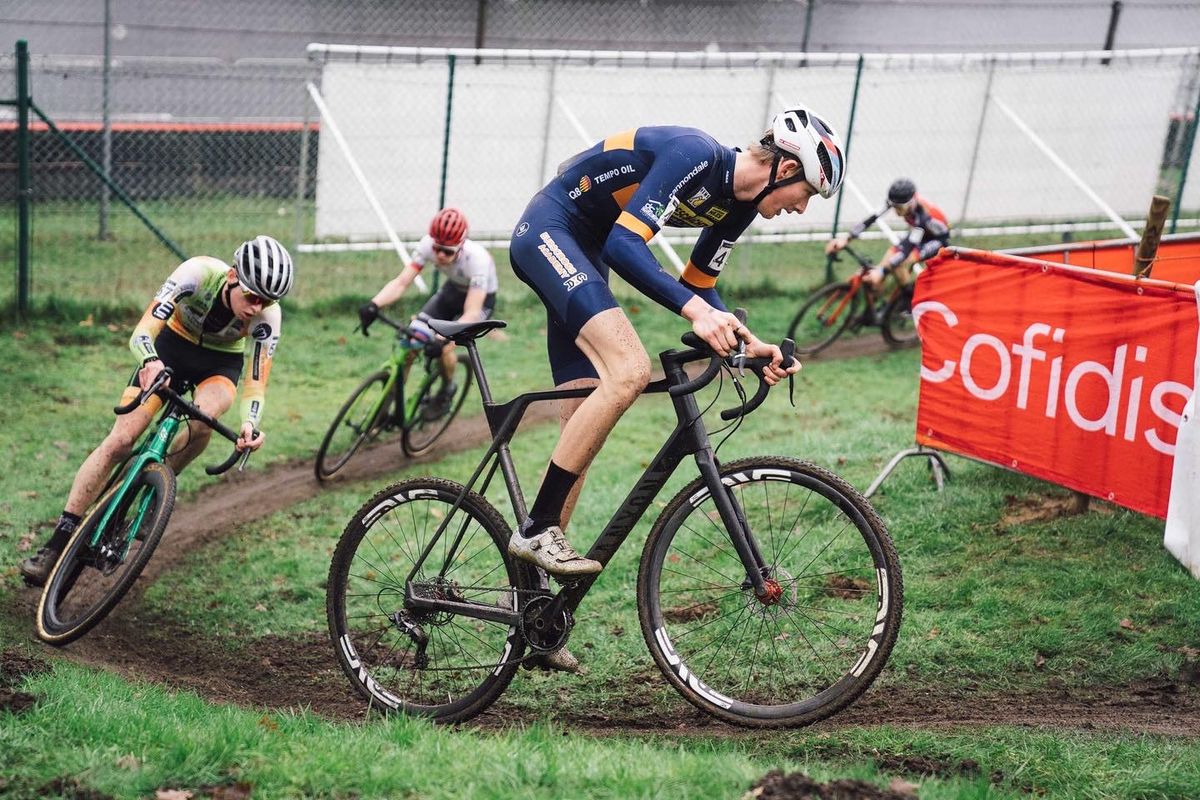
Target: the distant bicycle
pixel 849 306
pixel 116 538
pixel 379 404
pixel 769 590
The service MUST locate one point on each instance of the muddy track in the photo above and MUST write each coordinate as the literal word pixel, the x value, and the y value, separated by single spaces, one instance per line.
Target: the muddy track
pixel 278 673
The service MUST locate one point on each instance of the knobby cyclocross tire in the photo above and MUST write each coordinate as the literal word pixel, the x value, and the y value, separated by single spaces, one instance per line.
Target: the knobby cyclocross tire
pixel 814 647
pixel 420 433
pixel 898 327
pixel 823 317
pixel 86 583
pixel 351 427
pixel 467 663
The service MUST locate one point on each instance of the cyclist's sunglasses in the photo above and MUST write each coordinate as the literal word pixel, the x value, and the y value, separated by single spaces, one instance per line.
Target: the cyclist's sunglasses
pixel 254 299
pixel 445 250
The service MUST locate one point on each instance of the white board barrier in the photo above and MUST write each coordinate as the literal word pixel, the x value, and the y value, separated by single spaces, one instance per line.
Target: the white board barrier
pixel 1182 536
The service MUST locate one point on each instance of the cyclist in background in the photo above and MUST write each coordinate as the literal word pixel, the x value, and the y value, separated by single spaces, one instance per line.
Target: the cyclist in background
pixel 928 232
pixel 197 325
pixel 468 295
pixel 601 211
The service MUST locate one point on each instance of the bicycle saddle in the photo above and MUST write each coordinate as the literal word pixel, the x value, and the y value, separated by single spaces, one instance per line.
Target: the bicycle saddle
pixel 461 332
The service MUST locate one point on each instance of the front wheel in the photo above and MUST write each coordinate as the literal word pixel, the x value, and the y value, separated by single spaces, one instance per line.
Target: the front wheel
pixel 824 316
pixel 898 327
pixel 820 635
pixel 361 417
pixel 435 407
pixel 90 579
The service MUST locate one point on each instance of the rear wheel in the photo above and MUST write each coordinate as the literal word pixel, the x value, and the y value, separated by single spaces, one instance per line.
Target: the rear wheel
pixel 436 407
pixel 898 327
pixel 821 634
pixel 363 416
pixel 824 316
pixel 430 663
pixel 88 581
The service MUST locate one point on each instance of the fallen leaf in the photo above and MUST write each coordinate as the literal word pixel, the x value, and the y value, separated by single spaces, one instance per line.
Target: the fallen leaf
pixel 28 494
pixel 1127 624
pixel 341 340
pixel 87 323
pixel 266 722
pixel 783 636
pixel 25 543
pixel 172 794
pixel 128 761
pixel 113 328
pixel 260 607
pixel 933 633
pixel 673 558
pixel 1039 661
pixel 903 787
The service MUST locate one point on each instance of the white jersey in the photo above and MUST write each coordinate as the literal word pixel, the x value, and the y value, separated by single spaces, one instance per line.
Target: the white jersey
pixel 472 268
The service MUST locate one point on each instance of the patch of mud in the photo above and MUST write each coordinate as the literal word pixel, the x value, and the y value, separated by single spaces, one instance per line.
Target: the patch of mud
pixel 70 788
pixel 930 767
pixel 1039 508
pixel 776 785
pixel 16 702
pixel 16 664
pixel 846 588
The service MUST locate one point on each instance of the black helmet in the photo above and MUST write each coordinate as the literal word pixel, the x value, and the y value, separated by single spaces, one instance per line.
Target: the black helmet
pixel 901 191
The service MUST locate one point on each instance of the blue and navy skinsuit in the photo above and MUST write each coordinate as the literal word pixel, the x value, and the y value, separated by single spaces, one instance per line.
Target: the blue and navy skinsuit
pixel 602 208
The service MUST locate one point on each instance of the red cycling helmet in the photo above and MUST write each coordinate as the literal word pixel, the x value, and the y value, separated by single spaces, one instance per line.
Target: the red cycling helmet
pixel 449 227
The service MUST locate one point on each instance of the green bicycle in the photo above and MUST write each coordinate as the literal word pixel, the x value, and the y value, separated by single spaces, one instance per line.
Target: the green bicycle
pixel 379 404
pixel 114 542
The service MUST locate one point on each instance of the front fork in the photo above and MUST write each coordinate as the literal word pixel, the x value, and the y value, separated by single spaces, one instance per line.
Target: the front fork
pixel 735 522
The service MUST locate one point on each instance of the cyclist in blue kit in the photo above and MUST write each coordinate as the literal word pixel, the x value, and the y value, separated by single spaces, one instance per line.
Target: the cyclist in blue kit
pixel 601 211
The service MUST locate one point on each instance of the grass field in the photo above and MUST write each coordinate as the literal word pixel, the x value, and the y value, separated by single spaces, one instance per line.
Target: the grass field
pixel 1007 598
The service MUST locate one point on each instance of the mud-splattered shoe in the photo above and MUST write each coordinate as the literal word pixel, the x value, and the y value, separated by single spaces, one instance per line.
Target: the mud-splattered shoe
pixel 551 551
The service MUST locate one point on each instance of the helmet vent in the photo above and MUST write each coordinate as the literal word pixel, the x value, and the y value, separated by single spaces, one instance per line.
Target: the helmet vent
pixel 791 126
pixel 826 162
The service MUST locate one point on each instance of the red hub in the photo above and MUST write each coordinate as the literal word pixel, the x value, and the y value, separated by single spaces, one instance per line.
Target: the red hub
pixel 771 594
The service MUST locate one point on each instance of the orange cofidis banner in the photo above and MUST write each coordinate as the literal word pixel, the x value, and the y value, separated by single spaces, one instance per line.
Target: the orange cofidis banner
pixel 1069 374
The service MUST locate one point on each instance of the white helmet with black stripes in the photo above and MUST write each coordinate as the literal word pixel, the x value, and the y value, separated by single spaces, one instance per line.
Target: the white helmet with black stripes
pixel 264 267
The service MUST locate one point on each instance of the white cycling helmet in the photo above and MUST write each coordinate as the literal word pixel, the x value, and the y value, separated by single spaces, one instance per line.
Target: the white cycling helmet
pixel 797 131
pixel 264 267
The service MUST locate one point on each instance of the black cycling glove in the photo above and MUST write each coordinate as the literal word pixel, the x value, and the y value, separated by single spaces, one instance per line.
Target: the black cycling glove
pixel 367 313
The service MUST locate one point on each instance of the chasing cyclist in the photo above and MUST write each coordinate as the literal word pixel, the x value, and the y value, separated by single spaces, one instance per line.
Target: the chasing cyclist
pixel 928 232
pixel 197 325
pixel 468 295
pixel 601 210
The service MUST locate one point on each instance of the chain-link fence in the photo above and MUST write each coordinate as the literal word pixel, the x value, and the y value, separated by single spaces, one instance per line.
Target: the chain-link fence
pixel 232 29
pixel 213 151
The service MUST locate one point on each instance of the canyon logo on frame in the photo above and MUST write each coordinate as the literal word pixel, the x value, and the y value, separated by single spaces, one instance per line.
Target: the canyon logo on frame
pixel 1071 375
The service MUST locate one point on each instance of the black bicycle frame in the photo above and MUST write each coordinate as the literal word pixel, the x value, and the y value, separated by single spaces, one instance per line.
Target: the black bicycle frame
pixel 688 438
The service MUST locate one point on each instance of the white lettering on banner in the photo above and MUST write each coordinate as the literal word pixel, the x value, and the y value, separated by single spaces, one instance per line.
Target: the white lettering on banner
pixel 1027 352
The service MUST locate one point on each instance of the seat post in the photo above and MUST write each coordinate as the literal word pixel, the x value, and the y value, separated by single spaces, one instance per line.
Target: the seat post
pixel 485 391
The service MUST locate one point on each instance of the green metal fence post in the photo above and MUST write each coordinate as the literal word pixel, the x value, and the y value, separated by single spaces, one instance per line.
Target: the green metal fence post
pixel 446 147
pixel 23 182
pixel 446 134
pixel 837 209
pixel 1187 159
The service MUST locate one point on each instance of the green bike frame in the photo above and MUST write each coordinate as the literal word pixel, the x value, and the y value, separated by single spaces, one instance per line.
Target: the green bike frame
pixel 153 449
pixel 394 366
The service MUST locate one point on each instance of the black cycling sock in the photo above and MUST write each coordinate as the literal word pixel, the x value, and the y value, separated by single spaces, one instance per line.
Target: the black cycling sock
pixel 551 497
pixel 67 524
